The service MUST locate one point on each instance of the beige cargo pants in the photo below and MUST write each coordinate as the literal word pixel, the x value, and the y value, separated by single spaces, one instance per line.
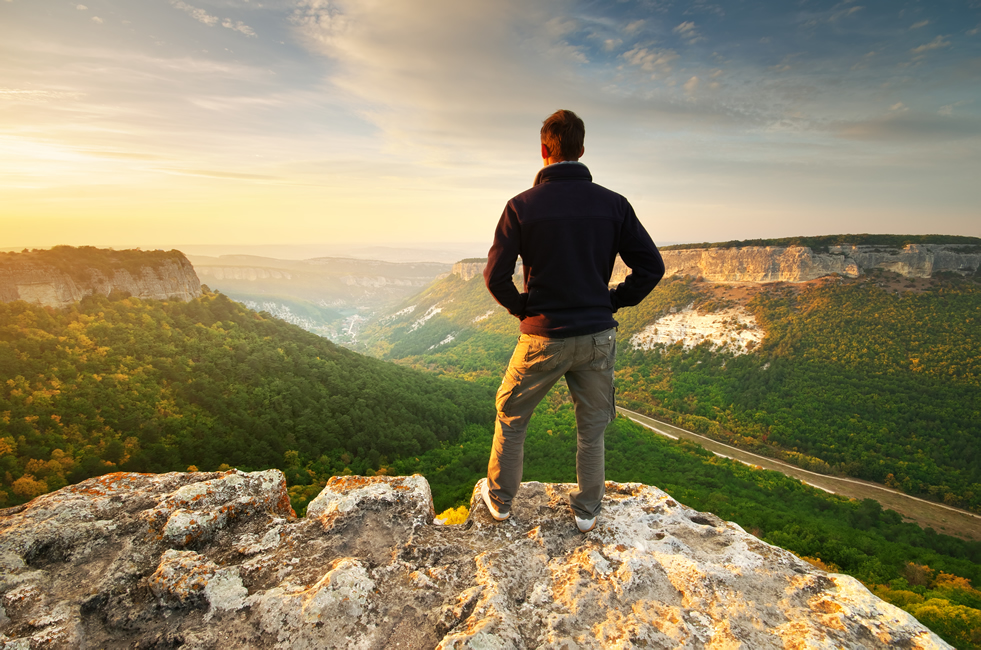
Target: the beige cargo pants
pixel 538 362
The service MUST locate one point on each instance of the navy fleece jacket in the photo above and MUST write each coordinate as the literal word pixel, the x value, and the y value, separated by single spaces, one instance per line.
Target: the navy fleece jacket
pixel 568 232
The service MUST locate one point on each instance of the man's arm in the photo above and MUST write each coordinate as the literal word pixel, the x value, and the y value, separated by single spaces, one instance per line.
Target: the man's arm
pixel 499 272
pixel 638 252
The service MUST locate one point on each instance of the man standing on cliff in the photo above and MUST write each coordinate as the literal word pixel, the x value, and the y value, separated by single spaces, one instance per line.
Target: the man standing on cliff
pixel 567 231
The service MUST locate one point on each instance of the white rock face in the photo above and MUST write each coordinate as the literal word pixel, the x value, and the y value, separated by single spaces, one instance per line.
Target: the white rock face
pixel 432 311
pixel 734 330
pixel 801 264
pixel 468 270
pixel 218 560
pixel 36 283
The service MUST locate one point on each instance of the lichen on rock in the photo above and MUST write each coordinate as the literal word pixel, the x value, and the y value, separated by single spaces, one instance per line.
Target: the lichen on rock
pixel 207 560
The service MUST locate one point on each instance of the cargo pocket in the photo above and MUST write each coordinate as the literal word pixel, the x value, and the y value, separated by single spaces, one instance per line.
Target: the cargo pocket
pixel 604 350
pixel 504 393
pixel 541 354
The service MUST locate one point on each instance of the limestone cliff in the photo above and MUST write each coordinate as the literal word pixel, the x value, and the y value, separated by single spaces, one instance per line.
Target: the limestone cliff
pixel 800 263
pixel 63 275
pixel 793 263
pixel 209 560
pixel 468 269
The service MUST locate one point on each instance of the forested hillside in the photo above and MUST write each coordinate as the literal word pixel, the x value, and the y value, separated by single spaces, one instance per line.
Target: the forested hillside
pixel 875 377
pixel 154 386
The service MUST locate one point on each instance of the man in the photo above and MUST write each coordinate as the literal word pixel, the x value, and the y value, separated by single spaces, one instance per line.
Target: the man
pixel 567 231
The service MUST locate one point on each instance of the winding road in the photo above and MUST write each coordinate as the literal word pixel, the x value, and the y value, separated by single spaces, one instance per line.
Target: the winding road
pixel 942 518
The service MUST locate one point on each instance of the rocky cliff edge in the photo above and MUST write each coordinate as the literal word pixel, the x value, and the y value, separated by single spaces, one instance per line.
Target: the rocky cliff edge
pixel 209 560
pixel 64 275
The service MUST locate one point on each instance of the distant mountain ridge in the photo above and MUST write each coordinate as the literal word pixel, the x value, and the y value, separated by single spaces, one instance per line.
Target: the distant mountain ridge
pixel 64 274
pixel 795 263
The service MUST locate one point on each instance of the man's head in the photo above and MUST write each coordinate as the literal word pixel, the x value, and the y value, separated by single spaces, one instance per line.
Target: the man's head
pixel 562 136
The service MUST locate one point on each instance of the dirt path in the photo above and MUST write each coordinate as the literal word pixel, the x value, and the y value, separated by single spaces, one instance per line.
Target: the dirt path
pixel 940 517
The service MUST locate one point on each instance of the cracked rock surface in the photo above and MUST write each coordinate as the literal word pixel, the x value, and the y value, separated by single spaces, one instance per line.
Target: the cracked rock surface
pixel 219 560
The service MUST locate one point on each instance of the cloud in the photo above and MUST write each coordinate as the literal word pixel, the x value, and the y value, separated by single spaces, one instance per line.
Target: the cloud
pixel 922 23
pixel 909 126
pixel 844 13
pixel 634 26
pixel 898 106
pixel 688 32
pixel 96 19
pixel 691 86
pixel 445 74
pixel 198 14
pixel 204 17
pixel 651 60
pixel 120 155
pixel 219 174
pixel 81 7
pixel 25 95
pixel 974 32
pixel 935 44
pixel 949 108
pixel 238 26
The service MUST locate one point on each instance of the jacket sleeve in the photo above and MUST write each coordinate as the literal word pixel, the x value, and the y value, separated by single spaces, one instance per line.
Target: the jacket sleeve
pixel 499 272
pixel 641 256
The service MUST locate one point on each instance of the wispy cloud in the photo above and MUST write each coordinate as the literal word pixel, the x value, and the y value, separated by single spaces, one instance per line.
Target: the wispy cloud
pixel 23 94
pixel 238 26
pixel 949 108
pixel 204 17
pixel 903 126
pixel 431 78
pixel 197 14
pixel 634 26
pixel 936 44
pixel 922 23
pixel 691 86
pixel 650 59
pixel 96 19
pixel 839 14
pixel 688 32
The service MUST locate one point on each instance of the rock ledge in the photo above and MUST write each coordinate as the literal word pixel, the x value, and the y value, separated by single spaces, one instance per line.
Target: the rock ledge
pixel 208 560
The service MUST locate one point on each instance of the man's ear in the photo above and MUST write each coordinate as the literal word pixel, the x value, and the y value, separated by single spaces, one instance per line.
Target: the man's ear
pixel 582 151
pixel 545 152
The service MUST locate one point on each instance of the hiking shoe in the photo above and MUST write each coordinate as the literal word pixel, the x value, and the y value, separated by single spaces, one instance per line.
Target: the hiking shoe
pixel 585 525
pixel 485 495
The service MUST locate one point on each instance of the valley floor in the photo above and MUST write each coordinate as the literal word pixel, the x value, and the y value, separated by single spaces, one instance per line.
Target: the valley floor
pixel 940 517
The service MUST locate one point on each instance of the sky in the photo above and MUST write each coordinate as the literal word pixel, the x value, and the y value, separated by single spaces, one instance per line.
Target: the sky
pixel 412 122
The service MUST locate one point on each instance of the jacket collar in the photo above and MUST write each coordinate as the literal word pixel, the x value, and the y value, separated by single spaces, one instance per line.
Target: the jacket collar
pixel 563 171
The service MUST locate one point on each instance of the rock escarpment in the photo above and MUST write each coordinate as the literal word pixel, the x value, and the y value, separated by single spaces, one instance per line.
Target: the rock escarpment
pixel 800 263
pixel 793 263
pixel 61 276
pixel 207 560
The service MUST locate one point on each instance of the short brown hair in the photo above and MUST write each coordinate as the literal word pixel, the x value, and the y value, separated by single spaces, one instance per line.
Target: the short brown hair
pixel 563 133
